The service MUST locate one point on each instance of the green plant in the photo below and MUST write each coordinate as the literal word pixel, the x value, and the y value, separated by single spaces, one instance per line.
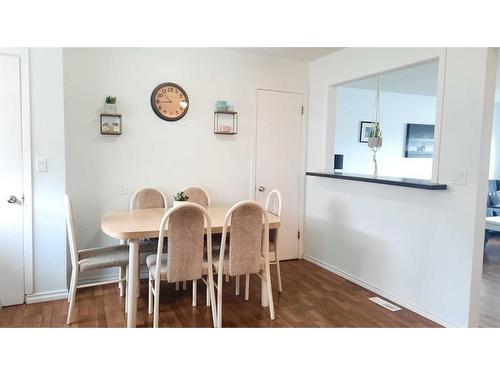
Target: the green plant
pixel 181 197
pixel 376 132
pixel 110 99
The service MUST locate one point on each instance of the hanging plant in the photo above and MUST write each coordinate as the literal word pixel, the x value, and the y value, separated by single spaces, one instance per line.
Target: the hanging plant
pixel 375 139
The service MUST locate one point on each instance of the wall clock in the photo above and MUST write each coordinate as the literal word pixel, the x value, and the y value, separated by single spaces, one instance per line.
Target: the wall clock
pixel 169 101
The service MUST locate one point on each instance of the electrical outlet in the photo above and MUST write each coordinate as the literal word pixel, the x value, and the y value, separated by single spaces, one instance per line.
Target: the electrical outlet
pixel 41 165
pixel 459 177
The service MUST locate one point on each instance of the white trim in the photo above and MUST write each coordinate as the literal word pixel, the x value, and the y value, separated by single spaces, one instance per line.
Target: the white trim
pixel 302 161
pixel 23 54
pixel 416 309
pixel 52 295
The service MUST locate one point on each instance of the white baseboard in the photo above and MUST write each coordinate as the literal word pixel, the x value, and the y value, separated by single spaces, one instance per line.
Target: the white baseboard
pixel 355 280
pixel 52 295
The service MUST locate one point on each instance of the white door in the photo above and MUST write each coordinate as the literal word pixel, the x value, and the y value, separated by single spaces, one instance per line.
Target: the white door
pixel 279 129
pixel 11 183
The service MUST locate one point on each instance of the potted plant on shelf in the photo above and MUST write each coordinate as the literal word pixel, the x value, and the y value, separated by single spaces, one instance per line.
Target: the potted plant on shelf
pixel 180 198
pixel 110 106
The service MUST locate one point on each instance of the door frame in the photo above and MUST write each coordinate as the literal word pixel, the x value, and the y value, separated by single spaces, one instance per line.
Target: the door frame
pixel 23 55
pixel 302 162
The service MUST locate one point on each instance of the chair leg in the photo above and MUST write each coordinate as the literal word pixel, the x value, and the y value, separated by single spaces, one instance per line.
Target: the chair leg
pixel 184 285
pixel 195 292
pixel 176 285
pixel 238 285
pixel 150 294
pixel 138 281
pixel 278 271
pixel 72 297
pixel 247 286
pixel 126 290
pixel 210 287
pixel 156 317
pixel 208 296
pixel 270 292
pixel 121 284
pixel 220 283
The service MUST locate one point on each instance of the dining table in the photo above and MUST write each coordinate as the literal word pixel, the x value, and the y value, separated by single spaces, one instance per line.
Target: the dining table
pixel 131 225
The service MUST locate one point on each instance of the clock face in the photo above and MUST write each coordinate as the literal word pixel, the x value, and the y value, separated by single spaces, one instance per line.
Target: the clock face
pixel 169 101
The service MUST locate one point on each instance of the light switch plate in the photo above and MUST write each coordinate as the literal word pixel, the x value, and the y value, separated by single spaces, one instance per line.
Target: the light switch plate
pixel 459 177
pixel 122 188
pixel 41 165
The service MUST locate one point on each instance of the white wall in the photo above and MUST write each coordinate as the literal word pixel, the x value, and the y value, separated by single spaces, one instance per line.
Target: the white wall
pixel 421 248
pixel 494 173
pixel 356 105
pixel 47 137
pixel 153 152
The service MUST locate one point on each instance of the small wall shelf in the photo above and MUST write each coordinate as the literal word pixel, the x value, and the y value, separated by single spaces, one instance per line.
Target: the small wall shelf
pixel 110 124
pixel 225 122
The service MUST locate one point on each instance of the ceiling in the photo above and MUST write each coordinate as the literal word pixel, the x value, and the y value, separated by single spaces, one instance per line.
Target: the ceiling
pixel 418 80
pixel 296 53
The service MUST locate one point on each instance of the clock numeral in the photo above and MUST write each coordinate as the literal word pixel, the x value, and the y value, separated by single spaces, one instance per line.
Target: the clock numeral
pixel 170 89
pixel 160 95
pixel 163 91
pixel 176 112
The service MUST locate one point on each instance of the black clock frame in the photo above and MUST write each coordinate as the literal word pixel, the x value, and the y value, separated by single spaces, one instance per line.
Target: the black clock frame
pixel 153 103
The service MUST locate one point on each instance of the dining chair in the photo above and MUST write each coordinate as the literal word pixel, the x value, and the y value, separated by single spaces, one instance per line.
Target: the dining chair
pixel 248 251
pixel 146 197
pixel 185 227
pixel 273 205
pixel 198 195
pixel 90 260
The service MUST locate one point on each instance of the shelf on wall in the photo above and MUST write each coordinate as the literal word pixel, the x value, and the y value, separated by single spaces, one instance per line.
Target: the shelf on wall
pixel 231 129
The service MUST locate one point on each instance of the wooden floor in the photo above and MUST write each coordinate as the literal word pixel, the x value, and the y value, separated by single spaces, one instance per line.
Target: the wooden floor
pixel 490 291
pixel 312 297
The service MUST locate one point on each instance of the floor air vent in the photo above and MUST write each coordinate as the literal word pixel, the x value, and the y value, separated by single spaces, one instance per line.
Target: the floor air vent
pixel 384 303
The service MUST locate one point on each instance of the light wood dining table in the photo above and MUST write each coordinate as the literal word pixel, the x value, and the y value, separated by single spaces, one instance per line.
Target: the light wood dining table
pixel 132 225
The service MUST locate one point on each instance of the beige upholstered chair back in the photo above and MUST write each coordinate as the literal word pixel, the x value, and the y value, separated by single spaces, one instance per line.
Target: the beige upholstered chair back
pixel 73 250
pixel 249 240
pixel 273 205
pixel 197 195
pixel 185 226
pixel 148 198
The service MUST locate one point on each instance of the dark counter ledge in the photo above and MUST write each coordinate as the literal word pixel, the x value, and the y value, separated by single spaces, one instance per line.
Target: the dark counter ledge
pixel 395 181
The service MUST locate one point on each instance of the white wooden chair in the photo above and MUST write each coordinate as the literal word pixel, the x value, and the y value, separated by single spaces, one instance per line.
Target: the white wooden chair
pixel 197 195
pixel 273 205
pixel 185 226
pixel 146 197
pixel 90 260
pixel 248 249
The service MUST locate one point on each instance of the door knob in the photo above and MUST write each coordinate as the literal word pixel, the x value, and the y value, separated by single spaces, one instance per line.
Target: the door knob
pixel 12 199
pixel 261 188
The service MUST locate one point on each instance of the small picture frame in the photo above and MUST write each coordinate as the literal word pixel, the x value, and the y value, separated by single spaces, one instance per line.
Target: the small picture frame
pixel 365 129
pixel 111 124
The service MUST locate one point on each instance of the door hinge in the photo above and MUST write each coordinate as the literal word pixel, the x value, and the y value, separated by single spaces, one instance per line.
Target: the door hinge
pixel 302 110
pixel 298 235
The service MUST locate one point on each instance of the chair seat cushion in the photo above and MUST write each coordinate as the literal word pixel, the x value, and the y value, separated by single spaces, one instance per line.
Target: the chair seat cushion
pixel 102 257
pixel 151 263
pixel 225 264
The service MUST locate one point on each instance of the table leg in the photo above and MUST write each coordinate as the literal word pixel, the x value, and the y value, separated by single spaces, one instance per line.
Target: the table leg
pixel 133 266
pixel 264 299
